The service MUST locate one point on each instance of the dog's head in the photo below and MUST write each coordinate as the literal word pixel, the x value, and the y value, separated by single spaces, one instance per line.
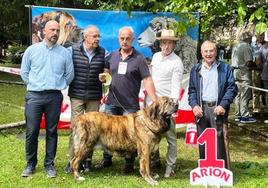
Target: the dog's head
pixel 164 107
pixel 161 111
pixel 69 32
pixel 148 37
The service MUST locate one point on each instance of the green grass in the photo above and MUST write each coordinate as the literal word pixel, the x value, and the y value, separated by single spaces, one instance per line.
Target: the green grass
pixel 248 155
pixel 11 99
pixel 11 107
pixel 249 165
pixel 9 77
pixel 8 64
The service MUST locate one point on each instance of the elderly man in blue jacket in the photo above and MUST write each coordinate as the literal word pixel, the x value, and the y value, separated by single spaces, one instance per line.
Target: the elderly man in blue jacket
pixel 212 89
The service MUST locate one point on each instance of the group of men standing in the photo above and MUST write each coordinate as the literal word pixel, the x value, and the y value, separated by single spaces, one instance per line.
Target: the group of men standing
pixel 47 68
pixel 82 70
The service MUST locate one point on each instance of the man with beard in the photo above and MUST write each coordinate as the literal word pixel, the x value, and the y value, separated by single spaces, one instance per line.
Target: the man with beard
pixel 85 91
pixel 46 69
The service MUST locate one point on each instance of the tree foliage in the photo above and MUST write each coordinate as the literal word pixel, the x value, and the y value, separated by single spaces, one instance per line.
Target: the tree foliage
pixel 11 24
pixel 14 26
pixel 214 13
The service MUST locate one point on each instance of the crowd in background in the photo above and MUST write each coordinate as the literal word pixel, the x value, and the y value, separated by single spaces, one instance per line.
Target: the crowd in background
pixel 248 60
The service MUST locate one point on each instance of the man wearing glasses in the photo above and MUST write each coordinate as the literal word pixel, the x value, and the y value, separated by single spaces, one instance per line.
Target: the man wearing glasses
pixel 85 90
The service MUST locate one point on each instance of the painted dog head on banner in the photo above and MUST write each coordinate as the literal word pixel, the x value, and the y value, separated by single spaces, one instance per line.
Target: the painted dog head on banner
pixel 69 32
pixel 186 47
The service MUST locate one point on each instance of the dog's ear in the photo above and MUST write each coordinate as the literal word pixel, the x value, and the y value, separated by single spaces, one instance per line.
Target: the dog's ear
pixel 163 101
pixel 154 110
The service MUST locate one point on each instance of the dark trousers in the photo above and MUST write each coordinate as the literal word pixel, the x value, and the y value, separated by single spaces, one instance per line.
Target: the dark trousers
pixel 115 110
pixel 36 104
pixel 211 120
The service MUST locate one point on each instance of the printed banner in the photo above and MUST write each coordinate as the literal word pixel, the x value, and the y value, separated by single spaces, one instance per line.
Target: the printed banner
pixel 73 21
pixel 146 26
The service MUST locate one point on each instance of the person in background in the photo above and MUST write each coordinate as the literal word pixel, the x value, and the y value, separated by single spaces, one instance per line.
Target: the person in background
pixel 212 89
pixel 46 69
pixel 256 74
pixel 85 90
pixel 262 59
pixel 242 62
pixel 167 71
pixel 128 69
pixel 221 53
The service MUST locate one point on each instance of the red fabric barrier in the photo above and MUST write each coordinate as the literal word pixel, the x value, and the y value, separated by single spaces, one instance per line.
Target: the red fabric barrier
pixel 185 116
pixel 62 124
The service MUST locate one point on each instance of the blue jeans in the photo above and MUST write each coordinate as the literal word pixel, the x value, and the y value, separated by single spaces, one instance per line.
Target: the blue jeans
pixel 265 85
pixel 37 104
pixel 115 110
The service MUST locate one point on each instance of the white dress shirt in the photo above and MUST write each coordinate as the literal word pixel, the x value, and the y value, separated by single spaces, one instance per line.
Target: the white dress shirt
pixel 167 74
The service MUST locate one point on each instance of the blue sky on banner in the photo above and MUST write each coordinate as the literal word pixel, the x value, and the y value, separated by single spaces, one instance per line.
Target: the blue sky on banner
pixel 109 22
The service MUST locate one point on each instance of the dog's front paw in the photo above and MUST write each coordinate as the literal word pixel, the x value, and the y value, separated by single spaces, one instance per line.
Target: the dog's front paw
pixel 154 182
pixel 156 176
pixel 151 181
pixel 80 178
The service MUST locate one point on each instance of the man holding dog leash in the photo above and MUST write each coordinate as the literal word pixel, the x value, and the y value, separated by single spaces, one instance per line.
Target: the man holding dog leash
pixel 128 69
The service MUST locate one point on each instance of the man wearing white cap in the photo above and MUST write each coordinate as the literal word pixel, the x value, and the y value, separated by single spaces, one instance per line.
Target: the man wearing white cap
pixel 167 70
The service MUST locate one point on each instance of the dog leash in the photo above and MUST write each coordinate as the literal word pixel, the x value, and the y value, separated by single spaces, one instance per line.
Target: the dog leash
pixel 118 101
pixel 110 90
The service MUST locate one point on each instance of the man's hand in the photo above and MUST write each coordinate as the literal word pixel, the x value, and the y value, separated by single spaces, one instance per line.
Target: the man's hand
pixel 219 110
pixel 102 77
pixel 198 112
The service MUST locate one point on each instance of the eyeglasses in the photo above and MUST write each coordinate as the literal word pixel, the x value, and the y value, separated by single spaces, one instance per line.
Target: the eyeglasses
pixel 94 36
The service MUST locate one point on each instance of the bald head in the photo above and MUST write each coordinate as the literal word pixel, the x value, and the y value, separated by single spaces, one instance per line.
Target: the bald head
pixel 51 32
pixel 51 23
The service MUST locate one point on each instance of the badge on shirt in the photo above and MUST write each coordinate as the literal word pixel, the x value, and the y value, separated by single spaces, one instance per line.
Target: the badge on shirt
pixel 122 68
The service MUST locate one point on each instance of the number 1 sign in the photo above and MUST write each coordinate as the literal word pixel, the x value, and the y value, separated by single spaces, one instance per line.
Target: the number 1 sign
pixel 210 170
pixel 191 135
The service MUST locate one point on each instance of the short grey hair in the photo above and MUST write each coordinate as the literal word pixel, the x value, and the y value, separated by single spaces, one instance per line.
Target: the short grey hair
pixel 126 28
pixel 88 28
pixel 208 42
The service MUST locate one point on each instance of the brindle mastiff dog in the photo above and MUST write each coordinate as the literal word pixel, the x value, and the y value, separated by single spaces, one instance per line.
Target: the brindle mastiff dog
pixel 123 135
